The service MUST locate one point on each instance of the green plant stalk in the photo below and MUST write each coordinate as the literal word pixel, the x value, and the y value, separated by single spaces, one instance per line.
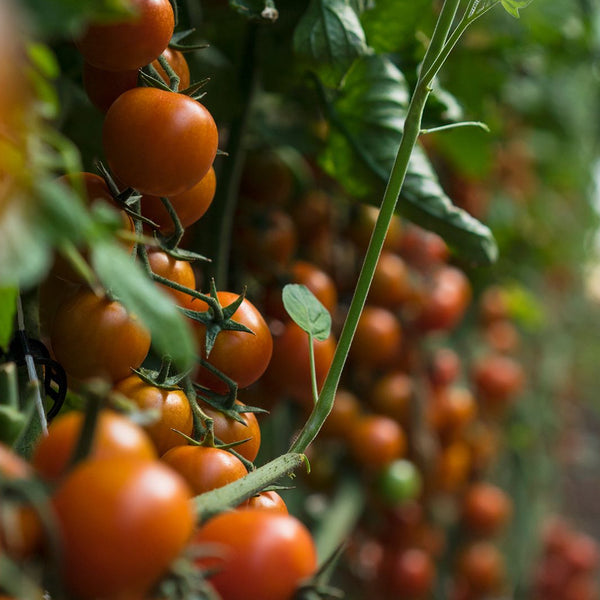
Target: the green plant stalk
pixel 231 495
pixel 9 386
pixel 412 130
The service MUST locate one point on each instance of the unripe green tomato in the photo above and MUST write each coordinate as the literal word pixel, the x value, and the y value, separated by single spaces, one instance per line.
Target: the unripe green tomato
pixel 399 482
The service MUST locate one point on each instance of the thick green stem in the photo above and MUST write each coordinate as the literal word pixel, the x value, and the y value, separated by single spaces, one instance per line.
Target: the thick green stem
pixel 412 129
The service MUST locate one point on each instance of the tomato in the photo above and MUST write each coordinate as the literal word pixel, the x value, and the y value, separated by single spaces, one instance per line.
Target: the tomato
pixel 398 482
pixel 362 225
pixel 104 87
pixel 289 370
pixel 97 337
pixel 453 466
pixel 253 542
pixel 375 441
pixel 173 406
pixel 344 413
pixel 122 522
pixel 421 248
pixel 446 300
pixel 304 273
pixel 20 529
pixel 160 143
pixel 408 573
pixel 229 430
pixel 493 304
pixel 242 356
pixel 313 215
pixel 204 468
pixel 178 271
pixel 582 553
pixel 501 335
pixel 270 501
pixel 498 379
pixel 189 205
pixel 444 367
pixel 485 509
pixel 391 395
pixel 130 43
pixel 378 338
pixel 391 281
pixel 481 565
pixel 450 410
pixel 115 435
pixel 266 178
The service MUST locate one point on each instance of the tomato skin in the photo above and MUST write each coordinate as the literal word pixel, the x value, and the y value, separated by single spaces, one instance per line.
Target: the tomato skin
pixel 160 143
pixel 132 43
pixel 174 406
pixel 498 379
pixel 115 435
pixel 486 509
pixel 407 573
pixel 229 430
pixel 289 370
pixel 254 541
pixel 391 281
pixel 204 468
pixel 482 567
pixel 391 394
pixel 96 337
pixel 190 205
pixel 344 414
pixel 375 441
pixel 270 501
pixel 120 542
pixel 178 271
pixel 242 356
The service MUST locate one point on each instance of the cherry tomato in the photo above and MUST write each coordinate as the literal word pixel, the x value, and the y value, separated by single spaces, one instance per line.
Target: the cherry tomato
pixel 391 395
pixel 498 379
pixel 189 205
pixel 20 529
pixel 266 179
pixel 453 466
pixel 178 271
pixel 174 408
pixel 130 43
pixel 391 281
pixel 362 225
pixel 443 367
pixel 270 501
pixel 375 441
pixel 502 336
pixel 204 468
pixel 481 565
pixel 229 430
pixel 289 370
pixel 399 481
pixel 242 356
pixel 407 573
pixel 178 63
pixel 485 509
pixel 421 248
pixel 97 337
pixel 160 143
pixel 122 522
pixel 377 339
pixel 450 410
pixel 115 435
pixel 344 414
pixel 313 215
pixel 254 541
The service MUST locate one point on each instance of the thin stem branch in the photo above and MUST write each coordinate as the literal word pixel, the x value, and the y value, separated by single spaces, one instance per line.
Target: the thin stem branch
pixel 478 124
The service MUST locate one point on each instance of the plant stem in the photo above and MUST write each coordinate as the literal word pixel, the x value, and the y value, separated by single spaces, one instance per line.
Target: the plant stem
pixel 412 129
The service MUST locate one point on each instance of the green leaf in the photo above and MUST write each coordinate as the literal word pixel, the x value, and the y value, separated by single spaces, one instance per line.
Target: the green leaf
pixel 125 279
pixel 390 25
pixel 256 9
pixel 304 308
pixel 513 6
pixel 330 37
pixel 367 116
pixel 8 308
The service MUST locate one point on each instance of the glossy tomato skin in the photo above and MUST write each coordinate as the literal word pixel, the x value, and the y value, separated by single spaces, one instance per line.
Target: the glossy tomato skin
pixel 174 407
pixel 270 501
pixel 130 43
pixel 160 143
pixel 254 541
pixel 122 522
pixel 97 337
pixel 204 468
pixel 407 573
pixel 242 356
pixel 229 430
pixel 375 441
pixel 190 205
pixel 391 281
pixel 486 509
pixel 178 271
pixel 115 435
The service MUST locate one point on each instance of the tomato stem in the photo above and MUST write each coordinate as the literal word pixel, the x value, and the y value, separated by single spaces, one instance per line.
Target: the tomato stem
pixel 173 77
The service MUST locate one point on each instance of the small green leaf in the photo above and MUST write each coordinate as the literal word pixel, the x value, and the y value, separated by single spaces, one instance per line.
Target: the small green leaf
pixel 8 308
pixel 304 308
pixel 330 37
pixel 118 273
pixel 512 7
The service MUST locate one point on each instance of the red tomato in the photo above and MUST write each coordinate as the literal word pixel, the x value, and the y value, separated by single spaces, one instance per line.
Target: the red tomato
pixel 391 281
pixel 343 416
pixel 407 573
pixel 174 408
pixel 229 431
pixel 131 43
pixel 362 225
pixel 178 271
pixel 270 501
pixel 115 435
pixel 254 541
pixel 377 339
pixel 176 59
pixel 160 143
pixel 486 509
pixel 375 441
pixel 289 370
pixel 450 409
pixel 481 565
pixel 498 379
pixel 242 356
pixel 97 337
pixel 189 205
pixel 422 248
pixel 443 367
pixel 122 522
pixel 204 468
pixel 391 395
